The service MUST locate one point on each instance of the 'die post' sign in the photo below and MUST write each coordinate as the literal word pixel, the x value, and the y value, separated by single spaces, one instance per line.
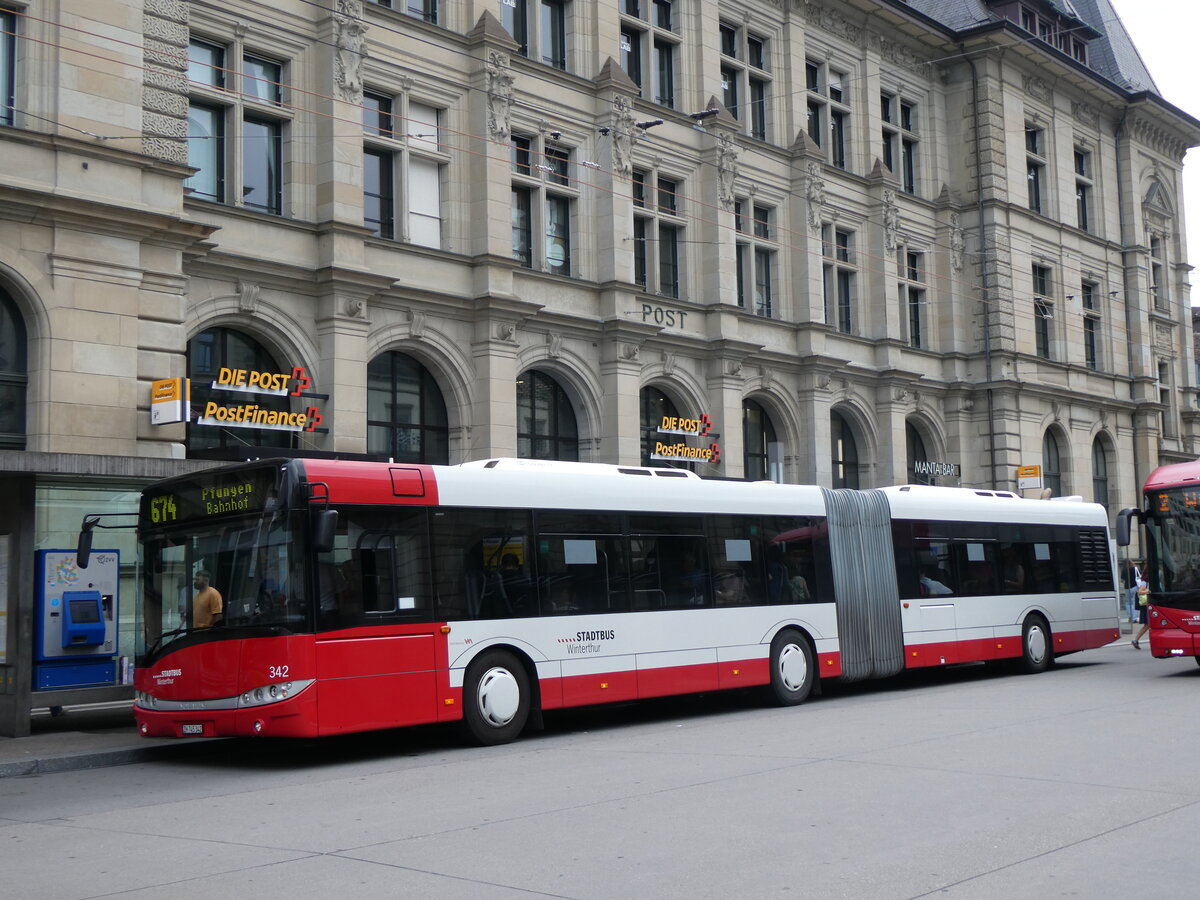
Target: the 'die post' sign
pixel 251 415
pixel 681 450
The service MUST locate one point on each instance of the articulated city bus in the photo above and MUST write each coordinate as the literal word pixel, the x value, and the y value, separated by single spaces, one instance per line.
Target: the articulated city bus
pixel 353 596
pixel 1171 514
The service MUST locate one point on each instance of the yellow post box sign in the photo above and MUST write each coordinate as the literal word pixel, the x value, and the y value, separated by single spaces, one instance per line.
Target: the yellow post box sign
pixel 168 401
pixel 1029 477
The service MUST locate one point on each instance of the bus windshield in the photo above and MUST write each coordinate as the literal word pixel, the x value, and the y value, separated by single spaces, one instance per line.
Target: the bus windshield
pixel 1173 548
pixel 211 578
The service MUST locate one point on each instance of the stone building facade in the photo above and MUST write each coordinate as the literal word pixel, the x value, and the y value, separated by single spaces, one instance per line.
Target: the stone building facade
pixel 867 242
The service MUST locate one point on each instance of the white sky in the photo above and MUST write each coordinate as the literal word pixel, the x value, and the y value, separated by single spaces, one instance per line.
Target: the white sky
pixel 1164 32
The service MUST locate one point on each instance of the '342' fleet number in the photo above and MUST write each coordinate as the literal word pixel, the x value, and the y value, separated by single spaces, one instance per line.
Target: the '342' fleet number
pixel 277 671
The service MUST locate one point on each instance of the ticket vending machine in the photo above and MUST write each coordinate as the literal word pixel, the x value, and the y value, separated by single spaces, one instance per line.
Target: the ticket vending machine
pixel 76 634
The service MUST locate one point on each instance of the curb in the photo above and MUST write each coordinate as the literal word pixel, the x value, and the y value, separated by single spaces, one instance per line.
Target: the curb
pixel 97 759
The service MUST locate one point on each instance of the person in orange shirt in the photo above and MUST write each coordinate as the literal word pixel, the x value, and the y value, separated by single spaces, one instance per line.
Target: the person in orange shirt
pixel 207 604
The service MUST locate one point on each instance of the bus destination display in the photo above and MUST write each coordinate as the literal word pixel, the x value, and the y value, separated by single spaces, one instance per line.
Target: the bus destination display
pixel 204 498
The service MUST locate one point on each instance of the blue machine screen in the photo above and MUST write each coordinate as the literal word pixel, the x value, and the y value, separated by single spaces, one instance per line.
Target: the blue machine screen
pixel 85 612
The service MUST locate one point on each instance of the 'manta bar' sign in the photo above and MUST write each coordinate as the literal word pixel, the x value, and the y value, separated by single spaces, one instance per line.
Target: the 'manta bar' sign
pixel 681 450
pixel 929 467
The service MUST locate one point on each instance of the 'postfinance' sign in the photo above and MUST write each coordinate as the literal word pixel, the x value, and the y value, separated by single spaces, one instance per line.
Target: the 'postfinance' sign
pixel 251 415
pixel 680 450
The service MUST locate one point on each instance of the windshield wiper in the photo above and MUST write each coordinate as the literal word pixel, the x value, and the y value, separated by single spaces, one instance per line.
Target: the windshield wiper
pixel 154 648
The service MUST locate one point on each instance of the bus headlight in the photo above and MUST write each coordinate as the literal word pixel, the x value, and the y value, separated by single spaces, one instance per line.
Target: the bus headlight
pixel 272 693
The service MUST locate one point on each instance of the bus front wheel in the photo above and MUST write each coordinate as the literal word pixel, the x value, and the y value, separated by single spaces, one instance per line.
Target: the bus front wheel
pixel 1036 650
pixel 496 698
pixel 792 668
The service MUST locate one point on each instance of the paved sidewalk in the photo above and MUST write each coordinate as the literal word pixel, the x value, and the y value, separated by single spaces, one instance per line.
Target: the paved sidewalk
pixel 85 737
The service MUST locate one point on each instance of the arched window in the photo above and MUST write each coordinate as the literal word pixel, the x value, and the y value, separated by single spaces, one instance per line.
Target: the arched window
pixel 208 353
pixel 1100 472
pixel 13 375
pixel 1051 465
pixel 844 452
pixel 406 415
pixel 916 454
pixel 655 405
pixel 546 426
pixel 763 454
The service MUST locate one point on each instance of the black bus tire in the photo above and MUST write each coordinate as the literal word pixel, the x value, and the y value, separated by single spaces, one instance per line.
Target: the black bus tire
pixel 1037 649
pixel 496 698
pixel 793 669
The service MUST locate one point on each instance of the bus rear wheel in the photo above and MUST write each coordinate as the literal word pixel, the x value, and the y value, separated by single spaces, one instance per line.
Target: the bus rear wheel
pixel 496 698
pixel 1036 649
pixel 793 671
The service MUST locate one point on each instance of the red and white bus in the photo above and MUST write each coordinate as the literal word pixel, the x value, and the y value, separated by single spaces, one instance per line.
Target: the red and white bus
pixel 360 595
pixel 1171 514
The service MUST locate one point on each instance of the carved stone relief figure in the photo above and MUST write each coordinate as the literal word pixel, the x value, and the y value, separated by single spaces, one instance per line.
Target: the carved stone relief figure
pixel 814 193
pixel 350 36
pixel 891 219
pixel 499 94
pixel 622 137
pixel 957 242
pixel 727 157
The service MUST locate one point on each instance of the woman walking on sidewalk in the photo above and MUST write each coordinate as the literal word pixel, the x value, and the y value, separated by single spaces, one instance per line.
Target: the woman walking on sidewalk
pixel 1143 602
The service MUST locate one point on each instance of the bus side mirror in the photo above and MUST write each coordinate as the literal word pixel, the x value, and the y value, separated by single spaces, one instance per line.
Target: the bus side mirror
pixel 83 550
pixel 1123 519
pixel 324 530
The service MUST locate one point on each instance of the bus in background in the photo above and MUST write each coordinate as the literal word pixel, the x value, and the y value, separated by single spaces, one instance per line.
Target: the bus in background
pixel 1171 514
pixel 354 596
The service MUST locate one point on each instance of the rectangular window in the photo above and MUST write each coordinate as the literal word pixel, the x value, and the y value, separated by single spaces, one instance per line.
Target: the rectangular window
pixel 377 114
pixel 554 33
pixel 729 91
pixel 423 9
pixel 379 193
pixel 900 139
pixel 664 82
pixel 828 113
pixel 262 164
pixel 514 16
pixel 522 226
pixel 8 66
pixel 261 80
pixel 558 165
pixel 1158 286
pixel 1035 167
pixel 1083 189
pixel 758 109
pixel 667 195
pixel 1041 280
pixel 837 246
pixel 1043 313
pixel 631 54
pixel 912 296
pixel 668 260
pixel 558 235
pixel 521 157
pixel 1090 344
pixel 206 64
pixel 206 151
pixel 763 296
pixel 639 252
pixel 424 202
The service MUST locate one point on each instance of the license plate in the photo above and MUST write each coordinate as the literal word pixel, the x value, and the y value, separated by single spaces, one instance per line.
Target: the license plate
pixel 193 728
